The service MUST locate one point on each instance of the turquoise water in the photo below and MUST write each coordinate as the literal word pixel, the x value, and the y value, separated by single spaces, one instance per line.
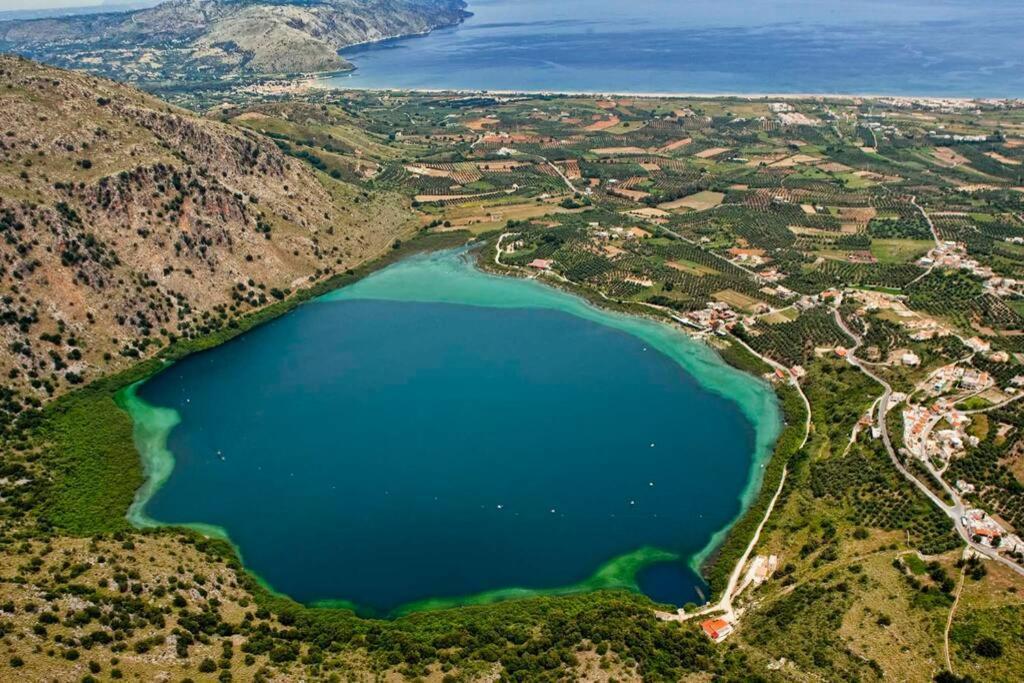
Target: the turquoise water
pixel 433 435
pixel 912 47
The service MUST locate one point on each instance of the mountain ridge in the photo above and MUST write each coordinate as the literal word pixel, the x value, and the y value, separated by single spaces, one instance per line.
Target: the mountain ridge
pixel 126 222
pixel 201 40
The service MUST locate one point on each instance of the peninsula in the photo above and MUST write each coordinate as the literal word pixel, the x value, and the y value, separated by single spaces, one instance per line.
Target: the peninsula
pixel 190 41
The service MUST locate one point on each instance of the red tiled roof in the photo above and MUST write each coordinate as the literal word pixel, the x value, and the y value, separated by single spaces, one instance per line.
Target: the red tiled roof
pixel 713 627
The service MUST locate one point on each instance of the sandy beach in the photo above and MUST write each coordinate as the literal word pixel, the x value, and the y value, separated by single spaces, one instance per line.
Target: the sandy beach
pixel 319 83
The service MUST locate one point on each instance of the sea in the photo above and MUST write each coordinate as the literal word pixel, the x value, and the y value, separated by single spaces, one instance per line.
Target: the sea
pixel 936 48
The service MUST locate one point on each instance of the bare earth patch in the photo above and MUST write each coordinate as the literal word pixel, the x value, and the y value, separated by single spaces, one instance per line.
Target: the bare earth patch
pixel 603 124
pixel 711 152
pixel 947 157
pixel 1002 159
pixel 701 201
pixel 673 146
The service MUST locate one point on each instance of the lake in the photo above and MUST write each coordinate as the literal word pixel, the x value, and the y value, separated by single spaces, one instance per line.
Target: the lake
pixel 966 48
pixel 432 435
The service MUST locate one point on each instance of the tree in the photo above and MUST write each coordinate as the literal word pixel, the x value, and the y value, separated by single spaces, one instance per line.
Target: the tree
pixel 948 677
pixel 989 647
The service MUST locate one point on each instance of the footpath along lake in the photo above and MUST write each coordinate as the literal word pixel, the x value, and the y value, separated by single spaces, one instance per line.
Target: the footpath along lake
pixel 433 435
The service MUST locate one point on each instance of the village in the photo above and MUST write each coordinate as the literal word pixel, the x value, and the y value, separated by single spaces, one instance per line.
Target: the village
pixel 936 420
pixel 953 255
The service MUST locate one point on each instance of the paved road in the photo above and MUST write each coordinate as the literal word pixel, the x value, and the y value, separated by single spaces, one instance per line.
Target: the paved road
pixel 957 510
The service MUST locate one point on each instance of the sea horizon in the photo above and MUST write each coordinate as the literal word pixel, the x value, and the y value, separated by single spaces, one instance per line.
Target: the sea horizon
pixel 791 47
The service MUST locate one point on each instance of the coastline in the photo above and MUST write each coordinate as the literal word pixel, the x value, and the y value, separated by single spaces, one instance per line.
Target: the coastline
pixel 152 424
pixel 484 17
pixel 317 82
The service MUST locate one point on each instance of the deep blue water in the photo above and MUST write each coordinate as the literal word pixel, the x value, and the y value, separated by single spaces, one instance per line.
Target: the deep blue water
pixel 939 47
pixel 386 452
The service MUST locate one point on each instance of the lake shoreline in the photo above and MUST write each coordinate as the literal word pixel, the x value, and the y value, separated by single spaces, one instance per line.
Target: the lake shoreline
pixel 150 441
pixel 98 398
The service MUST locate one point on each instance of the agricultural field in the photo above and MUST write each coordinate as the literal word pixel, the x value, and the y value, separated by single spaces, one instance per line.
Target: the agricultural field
pixel 725 215
pixel 898 250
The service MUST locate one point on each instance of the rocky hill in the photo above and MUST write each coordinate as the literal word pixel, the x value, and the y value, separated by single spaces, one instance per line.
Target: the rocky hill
pixel 197 40
pixel 125 222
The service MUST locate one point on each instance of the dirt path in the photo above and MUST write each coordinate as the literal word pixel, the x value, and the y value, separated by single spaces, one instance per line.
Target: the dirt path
pixel 724 605
pixel 952 613
pixel 754 274
pixel 935 236
pixel 928 219
pixel 565 178
pixel 497 247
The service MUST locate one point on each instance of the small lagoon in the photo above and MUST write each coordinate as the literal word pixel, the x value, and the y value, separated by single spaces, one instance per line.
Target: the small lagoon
pixel 432 435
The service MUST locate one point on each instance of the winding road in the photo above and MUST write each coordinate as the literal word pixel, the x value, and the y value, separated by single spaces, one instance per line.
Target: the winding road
pixel 957 510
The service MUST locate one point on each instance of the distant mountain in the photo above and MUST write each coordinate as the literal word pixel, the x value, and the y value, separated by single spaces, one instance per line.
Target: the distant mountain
pixel 49 12
pixel 126 222
pixel 194 40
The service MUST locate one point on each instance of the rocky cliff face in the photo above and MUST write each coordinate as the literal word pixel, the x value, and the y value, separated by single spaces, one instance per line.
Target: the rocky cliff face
pixel 126 223
pixel 203 39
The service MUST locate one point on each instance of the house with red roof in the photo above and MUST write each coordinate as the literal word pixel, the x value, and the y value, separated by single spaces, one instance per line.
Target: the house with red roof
pixel 716 629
